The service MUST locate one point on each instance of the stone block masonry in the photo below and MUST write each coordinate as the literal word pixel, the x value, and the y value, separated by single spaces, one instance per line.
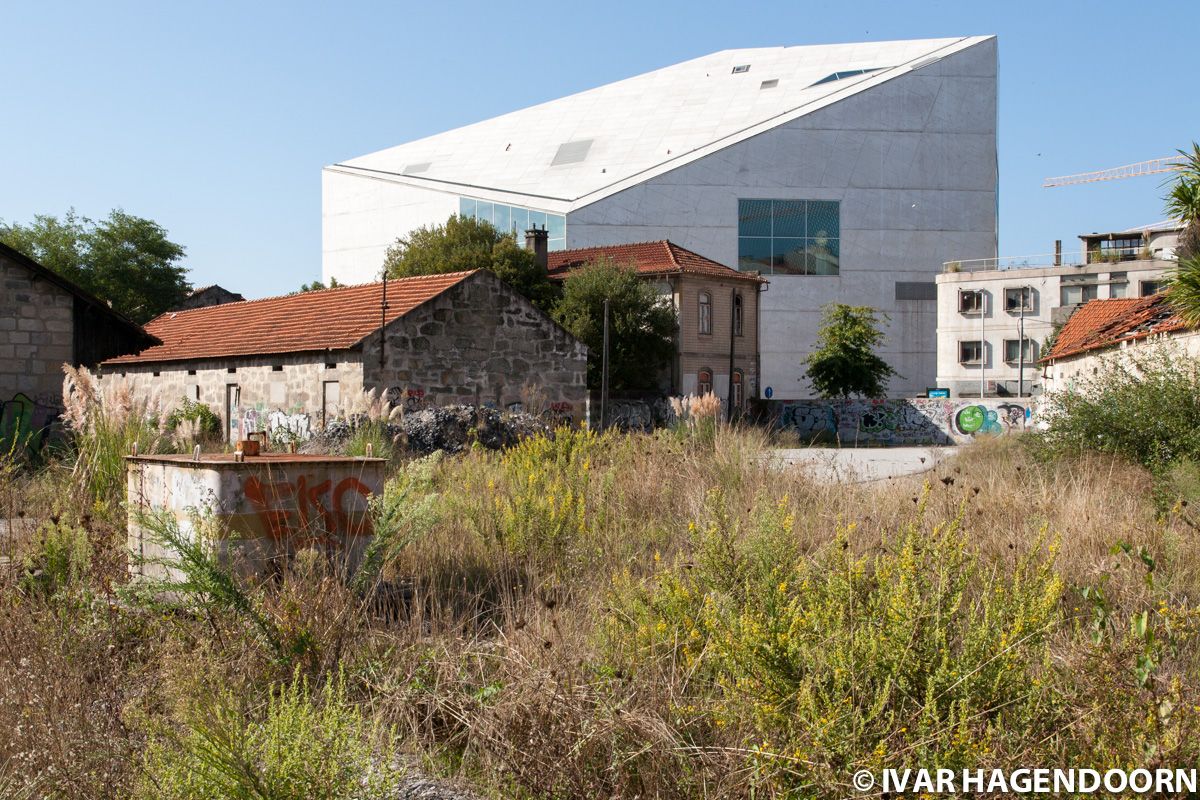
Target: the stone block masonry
pixel 36 324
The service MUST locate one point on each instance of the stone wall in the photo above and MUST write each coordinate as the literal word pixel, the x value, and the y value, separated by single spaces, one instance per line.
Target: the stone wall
pixel 899 422
pixel 288 396
pixel 36 335
pixel 481 343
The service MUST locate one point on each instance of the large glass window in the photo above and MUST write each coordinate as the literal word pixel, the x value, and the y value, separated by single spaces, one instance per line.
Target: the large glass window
pixel 516 220
pixel 1075 290
pixel 789 237
pixel 1013 348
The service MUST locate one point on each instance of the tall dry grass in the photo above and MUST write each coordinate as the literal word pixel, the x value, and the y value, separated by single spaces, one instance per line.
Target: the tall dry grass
pixel 599 615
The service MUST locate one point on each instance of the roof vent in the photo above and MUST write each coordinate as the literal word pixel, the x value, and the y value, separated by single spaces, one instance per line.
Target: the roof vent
pixel 839 76
pixel 413 169
pixel 572 152
pixel 771 84
pixel 740 68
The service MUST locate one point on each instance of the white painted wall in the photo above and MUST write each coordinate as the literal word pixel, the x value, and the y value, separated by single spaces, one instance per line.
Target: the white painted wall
pixel 913 162
pixel 1070 373
pixel 361 217
pixel 997 324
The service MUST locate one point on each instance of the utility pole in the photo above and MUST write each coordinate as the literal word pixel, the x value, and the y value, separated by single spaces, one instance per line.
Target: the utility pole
pixel 732 342
pixel 604 369
pixel 982 343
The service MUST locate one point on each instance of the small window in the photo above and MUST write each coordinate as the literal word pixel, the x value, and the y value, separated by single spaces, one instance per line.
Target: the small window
pixel 970 352
pixel 1018 298
pixel 157 373
pixel 738 390
pixel 1151 287
pixel 705 308
pixel 737 315
pixel 191 372
pixel 277 368
pixel 1075 290
pixel 704 382
pixel 740 68
pixel 231 370
pixel 1013 355
pixel 970 301
pixel 330 365
pixel 771 84
pixel 841 76
pixel 571 152
pixel 1118 285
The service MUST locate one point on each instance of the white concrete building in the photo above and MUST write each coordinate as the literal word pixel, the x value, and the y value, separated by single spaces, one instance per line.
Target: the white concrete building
pixel 845 173
pixel 984 305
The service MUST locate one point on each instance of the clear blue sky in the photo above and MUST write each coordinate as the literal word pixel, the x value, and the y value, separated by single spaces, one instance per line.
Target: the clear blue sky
pixel 216 118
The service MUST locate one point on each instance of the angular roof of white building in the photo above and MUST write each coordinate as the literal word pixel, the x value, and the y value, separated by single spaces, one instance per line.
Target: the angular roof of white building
pixel 575 150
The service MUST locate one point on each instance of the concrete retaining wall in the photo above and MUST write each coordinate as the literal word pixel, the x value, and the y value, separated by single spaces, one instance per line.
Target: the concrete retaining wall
pixel 900 422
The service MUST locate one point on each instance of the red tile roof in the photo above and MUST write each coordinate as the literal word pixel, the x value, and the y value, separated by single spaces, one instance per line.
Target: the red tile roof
pixel 650 258
pixel 1105 323
pixel 329 319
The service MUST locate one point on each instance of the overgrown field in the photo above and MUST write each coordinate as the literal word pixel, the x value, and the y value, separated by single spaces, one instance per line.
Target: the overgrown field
pixel 618 616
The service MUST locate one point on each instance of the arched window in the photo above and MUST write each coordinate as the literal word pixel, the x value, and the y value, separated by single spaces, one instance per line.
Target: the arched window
pixel 705 313
pixel 739 392
pixel 704 382
pixel 737 314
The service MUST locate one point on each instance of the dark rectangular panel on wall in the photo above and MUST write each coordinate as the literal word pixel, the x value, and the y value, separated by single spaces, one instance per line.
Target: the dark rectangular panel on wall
pixel 916 290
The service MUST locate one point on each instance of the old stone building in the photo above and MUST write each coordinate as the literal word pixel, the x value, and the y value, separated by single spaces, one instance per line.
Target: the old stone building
pixel 716 307
pixel 47 321
pixel 204 296
pixel 291 364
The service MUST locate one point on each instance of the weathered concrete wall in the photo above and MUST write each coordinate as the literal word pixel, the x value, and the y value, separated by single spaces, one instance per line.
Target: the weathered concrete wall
pixel 479 343
pixel 259 510
pixel 36 335
pixel 901 422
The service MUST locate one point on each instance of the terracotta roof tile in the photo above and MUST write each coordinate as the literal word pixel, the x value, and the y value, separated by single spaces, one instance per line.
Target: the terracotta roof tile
pixel 328 319
pixel 650 258
pixel 1105 323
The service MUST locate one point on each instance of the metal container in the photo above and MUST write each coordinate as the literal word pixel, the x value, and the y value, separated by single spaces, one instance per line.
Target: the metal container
pixel 257 510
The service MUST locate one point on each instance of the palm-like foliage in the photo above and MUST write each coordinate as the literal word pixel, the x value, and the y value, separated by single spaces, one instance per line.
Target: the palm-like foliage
pixel 1183 201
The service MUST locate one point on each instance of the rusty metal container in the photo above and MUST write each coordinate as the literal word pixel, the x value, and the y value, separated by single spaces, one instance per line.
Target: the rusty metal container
pixel 258 510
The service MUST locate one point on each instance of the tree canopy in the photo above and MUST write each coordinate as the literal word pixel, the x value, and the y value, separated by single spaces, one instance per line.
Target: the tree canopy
pixel 317 286
pixel 844 362
pixel 641 326
pixel 465 243
pixel 124 259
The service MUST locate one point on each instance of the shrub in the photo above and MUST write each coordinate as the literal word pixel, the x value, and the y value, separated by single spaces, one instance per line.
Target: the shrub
pixel 406 509
pixel 61 560
pixel 194 421
pixel 1143 406
pixel 299 747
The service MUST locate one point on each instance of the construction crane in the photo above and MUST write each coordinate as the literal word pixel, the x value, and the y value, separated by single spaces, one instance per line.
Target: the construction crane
pixel 1152 167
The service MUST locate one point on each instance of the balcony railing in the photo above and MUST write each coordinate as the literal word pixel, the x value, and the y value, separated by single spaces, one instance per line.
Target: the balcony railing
pixel 1016 262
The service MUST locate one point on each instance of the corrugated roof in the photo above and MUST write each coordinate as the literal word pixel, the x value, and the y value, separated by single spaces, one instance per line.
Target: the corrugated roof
pixel 328 319
pixel 1105 323
pixel 648 124
pixel 651 258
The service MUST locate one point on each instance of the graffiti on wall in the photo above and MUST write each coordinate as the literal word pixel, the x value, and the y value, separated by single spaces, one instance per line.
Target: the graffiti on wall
pixel 897 422
pixel 24 423
pixel 411 399
pixel 309 511
pixel 282 427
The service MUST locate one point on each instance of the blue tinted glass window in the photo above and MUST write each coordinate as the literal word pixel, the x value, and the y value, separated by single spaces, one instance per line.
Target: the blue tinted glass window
pixel 754 217
pixel 556 226
pixel 502 219
pixel 556 244
pixel 790 237
pixel 788 218
pixel 754 254
pixel 483 211
pixel 466 206
pixel 537 218
pixel 520 221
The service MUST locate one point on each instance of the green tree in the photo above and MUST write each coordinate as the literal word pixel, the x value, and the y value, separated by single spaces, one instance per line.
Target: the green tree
pixel 317 286
pixel 124 259
pixel 465 243
pixel 641 326
pixel 1183 201
pixel 844 362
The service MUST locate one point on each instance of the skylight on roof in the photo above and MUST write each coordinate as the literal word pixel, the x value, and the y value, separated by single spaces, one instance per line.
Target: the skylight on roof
pixel 740 68
pixel 413 169
pixel 572 152
pixel 771 84
pixel 850 73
